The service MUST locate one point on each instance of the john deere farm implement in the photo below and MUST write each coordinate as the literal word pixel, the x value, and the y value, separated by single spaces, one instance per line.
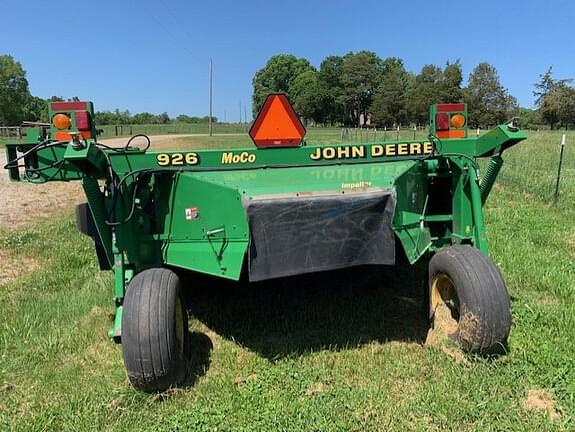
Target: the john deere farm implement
pixel 277 209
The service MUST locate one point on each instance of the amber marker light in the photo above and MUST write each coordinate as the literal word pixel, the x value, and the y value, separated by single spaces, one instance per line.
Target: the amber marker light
pixel 61 121
pixel 457 121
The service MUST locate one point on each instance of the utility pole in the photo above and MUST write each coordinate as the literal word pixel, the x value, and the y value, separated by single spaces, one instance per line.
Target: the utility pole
pixel 245 117
pixel 210 119
pixel 240 112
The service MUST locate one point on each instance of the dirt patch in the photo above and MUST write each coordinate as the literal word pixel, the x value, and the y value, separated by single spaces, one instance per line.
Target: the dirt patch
pixel 316 389
pixel 241 381
pixel 11 266
pixel 468 326
pixel 541 401
pixel 456 355
pixel 25 202
pixel 444 325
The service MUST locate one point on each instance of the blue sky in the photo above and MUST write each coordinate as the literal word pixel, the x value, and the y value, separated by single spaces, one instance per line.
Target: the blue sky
pixel 153 55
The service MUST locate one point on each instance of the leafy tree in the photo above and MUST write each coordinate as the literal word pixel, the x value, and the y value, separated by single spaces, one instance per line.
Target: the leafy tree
pixel 36 109
pixel 14 93
pixel 566 102
pixel 424 93
pixel 309 98
pixel 529 118
pixel 390 100
pixel 554 99
pixel 163 118
pixel 330 72
pixel 434 85
pixel 143 118
pixel 489 102
pixel 450 84
pixel 360 76
pixel 277 75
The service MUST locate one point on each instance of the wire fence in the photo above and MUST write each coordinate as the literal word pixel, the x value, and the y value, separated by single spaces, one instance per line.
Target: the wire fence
pixel 533 166
pixel 110 131
pixel 11 132
pixel 365 135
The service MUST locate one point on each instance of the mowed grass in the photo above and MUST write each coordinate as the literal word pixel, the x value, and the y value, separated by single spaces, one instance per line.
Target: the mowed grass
pixel 332 352
pixel 112 131
pixel 314 136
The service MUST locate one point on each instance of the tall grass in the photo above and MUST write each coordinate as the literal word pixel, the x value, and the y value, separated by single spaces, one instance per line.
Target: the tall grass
pixel 532 166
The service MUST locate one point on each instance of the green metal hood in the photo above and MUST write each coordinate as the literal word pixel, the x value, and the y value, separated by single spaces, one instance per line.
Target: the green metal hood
pixel 271 181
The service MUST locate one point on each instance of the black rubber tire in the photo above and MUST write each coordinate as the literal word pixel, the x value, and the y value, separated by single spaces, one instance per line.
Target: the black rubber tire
pixel 155 357
pixel 484 312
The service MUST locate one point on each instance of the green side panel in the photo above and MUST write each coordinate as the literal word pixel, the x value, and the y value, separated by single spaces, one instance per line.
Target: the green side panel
pixel 201 257
pixel 207 228
pixel 408 225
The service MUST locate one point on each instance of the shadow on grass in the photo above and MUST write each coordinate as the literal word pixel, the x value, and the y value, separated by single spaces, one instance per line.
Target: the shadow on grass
pixel 333 310
pixel 200 353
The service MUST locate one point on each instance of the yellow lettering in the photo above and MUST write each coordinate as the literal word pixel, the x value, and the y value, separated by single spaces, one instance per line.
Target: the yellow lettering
pixel 316 155
pixel 358 151
pixel 343 152
pixel 415 148
pixel 163 159
pixel 328 153
pixel 243 157
pixel 227 157
pixel 390 150
pixel 402 149
pixel 191 158
pixel 376 150
pixel 427 148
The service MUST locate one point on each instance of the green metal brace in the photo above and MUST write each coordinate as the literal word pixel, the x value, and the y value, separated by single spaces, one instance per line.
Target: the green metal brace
pixel 122 277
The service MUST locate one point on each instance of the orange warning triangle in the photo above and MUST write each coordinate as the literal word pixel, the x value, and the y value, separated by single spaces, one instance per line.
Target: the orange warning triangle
pixel 277 124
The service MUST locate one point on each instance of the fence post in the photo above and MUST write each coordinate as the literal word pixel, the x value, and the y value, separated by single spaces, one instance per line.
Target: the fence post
pixel 397 133
pixel 556 198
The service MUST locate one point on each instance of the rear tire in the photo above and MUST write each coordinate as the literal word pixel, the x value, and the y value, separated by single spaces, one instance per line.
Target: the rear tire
pixel 469 284
pixel 155 337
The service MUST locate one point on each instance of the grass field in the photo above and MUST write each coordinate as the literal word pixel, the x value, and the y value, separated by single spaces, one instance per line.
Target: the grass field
pixel 171 128
pixel 331 352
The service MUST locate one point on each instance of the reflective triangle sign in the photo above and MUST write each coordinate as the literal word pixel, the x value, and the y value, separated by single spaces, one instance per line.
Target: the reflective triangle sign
pixel 277 124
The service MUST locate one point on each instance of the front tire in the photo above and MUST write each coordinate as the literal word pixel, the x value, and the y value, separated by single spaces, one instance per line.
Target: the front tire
pixel 467 284
pixel 155 337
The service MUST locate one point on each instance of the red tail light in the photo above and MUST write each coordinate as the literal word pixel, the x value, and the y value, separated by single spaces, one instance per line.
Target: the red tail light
pixel 83 120
pixel 441 121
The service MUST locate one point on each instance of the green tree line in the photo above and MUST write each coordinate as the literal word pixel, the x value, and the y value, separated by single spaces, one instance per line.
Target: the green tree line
pixel 346 89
